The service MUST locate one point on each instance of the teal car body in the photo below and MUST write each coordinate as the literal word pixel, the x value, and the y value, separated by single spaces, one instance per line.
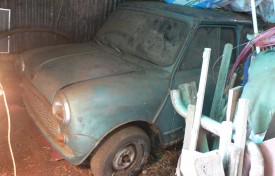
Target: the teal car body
pixel 124 76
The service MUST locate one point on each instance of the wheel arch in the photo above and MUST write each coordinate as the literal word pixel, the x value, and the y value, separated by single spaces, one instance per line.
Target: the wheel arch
pixel 150 129
pixel 108 156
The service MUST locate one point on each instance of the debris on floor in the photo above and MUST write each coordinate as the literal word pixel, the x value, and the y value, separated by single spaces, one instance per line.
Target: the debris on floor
pixel 33 153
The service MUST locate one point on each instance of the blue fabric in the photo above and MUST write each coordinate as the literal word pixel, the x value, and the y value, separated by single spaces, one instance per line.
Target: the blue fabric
pixel 246 67
pixel 198 4
pixel 207 4
pixel 169 1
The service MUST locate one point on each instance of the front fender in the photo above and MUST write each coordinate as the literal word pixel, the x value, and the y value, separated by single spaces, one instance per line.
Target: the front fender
pixel 99 106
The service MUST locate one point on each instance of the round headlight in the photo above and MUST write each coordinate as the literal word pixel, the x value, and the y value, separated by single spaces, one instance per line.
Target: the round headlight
pixel 61 109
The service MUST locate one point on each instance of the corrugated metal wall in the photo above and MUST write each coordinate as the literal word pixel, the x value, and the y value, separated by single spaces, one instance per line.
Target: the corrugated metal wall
pixel 4 21
pixel 81 18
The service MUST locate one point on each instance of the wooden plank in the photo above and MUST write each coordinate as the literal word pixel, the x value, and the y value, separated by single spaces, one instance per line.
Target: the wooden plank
pixel 189 124
pixel 189 93
pixel 220 87
pixel 225 140
pixel 194 163
pixel 221 110
pixel 209 164
pixel 233 160
pixel 233 97
pixel 202 141
pixel 233 80
pixel 200 98
pixel 240 124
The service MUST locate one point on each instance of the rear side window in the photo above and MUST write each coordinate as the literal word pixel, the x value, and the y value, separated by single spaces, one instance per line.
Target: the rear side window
pixel 208 37
pixel 228 35
pixel 154 38
pixel 244 32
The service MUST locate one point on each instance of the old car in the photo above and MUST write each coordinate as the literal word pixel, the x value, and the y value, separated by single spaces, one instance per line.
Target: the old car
pixel 107 100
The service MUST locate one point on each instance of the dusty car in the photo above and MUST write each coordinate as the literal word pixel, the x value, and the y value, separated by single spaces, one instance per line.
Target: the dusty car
pixel 108 99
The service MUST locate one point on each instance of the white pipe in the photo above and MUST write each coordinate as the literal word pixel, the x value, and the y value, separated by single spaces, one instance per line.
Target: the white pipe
pixel 255 23
pixel 178 103
pixel 206 122
pixel 211 125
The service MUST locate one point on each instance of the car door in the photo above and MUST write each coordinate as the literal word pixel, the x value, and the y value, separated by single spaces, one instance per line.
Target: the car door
pixel 214 37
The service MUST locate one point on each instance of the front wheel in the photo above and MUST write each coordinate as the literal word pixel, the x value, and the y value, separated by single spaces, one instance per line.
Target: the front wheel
pixel 124 152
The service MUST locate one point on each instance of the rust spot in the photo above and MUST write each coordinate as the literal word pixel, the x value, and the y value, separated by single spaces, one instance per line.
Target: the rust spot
pixel 61 138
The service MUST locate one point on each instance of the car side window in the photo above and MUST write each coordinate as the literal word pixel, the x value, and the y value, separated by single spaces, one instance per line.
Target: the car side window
pixel 228 35
pixel 245 30
pixel 208 37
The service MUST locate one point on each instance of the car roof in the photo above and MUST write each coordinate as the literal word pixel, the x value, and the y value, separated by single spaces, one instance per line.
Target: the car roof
pixel 203 15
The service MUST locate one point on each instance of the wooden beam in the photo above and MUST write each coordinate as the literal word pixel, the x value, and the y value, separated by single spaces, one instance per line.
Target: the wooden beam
pixel 189 93
pixel 233 160
pixel 202 141
pixel 201 164
pixel 233 98
pixel 225 140
pixel 189 124
pixel 216 108
pixel 200 98
pixel 240 129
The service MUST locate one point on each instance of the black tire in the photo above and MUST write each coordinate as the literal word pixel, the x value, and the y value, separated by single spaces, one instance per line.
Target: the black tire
pixel 123 153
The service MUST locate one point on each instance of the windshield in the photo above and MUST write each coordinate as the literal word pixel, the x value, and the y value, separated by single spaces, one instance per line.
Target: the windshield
pixel 154 38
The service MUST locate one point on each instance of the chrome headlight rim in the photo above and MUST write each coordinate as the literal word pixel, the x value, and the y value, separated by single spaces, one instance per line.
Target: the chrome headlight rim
pixel 61 100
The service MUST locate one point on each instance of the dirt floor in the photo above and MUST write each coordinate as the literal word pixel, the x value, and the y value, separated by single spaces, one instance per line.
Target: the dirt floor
pixel 33 155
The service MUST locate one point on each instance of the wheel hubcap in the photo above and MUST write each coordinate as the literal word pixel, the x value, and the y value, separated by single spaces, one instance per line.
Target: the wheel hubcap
pixel 124 158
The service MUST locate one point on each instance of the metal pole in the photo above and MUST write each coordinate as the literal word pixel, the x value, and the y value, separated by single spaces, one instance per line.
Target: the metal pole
pixel 255 23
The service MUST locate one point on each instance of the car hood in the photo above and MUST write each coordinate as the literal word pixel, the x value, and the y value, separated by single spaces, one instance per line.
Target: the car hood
pixel 52 68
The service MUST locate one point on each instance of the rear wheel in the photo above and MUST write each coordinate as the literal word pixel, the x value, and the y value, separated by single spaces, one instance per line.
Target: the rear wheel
pixel 124 152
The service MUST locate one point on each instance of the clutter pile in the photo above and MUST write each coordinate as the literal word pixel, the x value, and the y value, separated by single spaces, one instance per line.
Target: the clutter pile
pixel 242 122
pixel 265 8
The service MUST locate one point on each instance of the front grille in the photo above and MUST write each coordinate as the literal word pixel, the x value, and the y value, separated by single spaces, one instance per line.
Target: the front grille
pixel 39 109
